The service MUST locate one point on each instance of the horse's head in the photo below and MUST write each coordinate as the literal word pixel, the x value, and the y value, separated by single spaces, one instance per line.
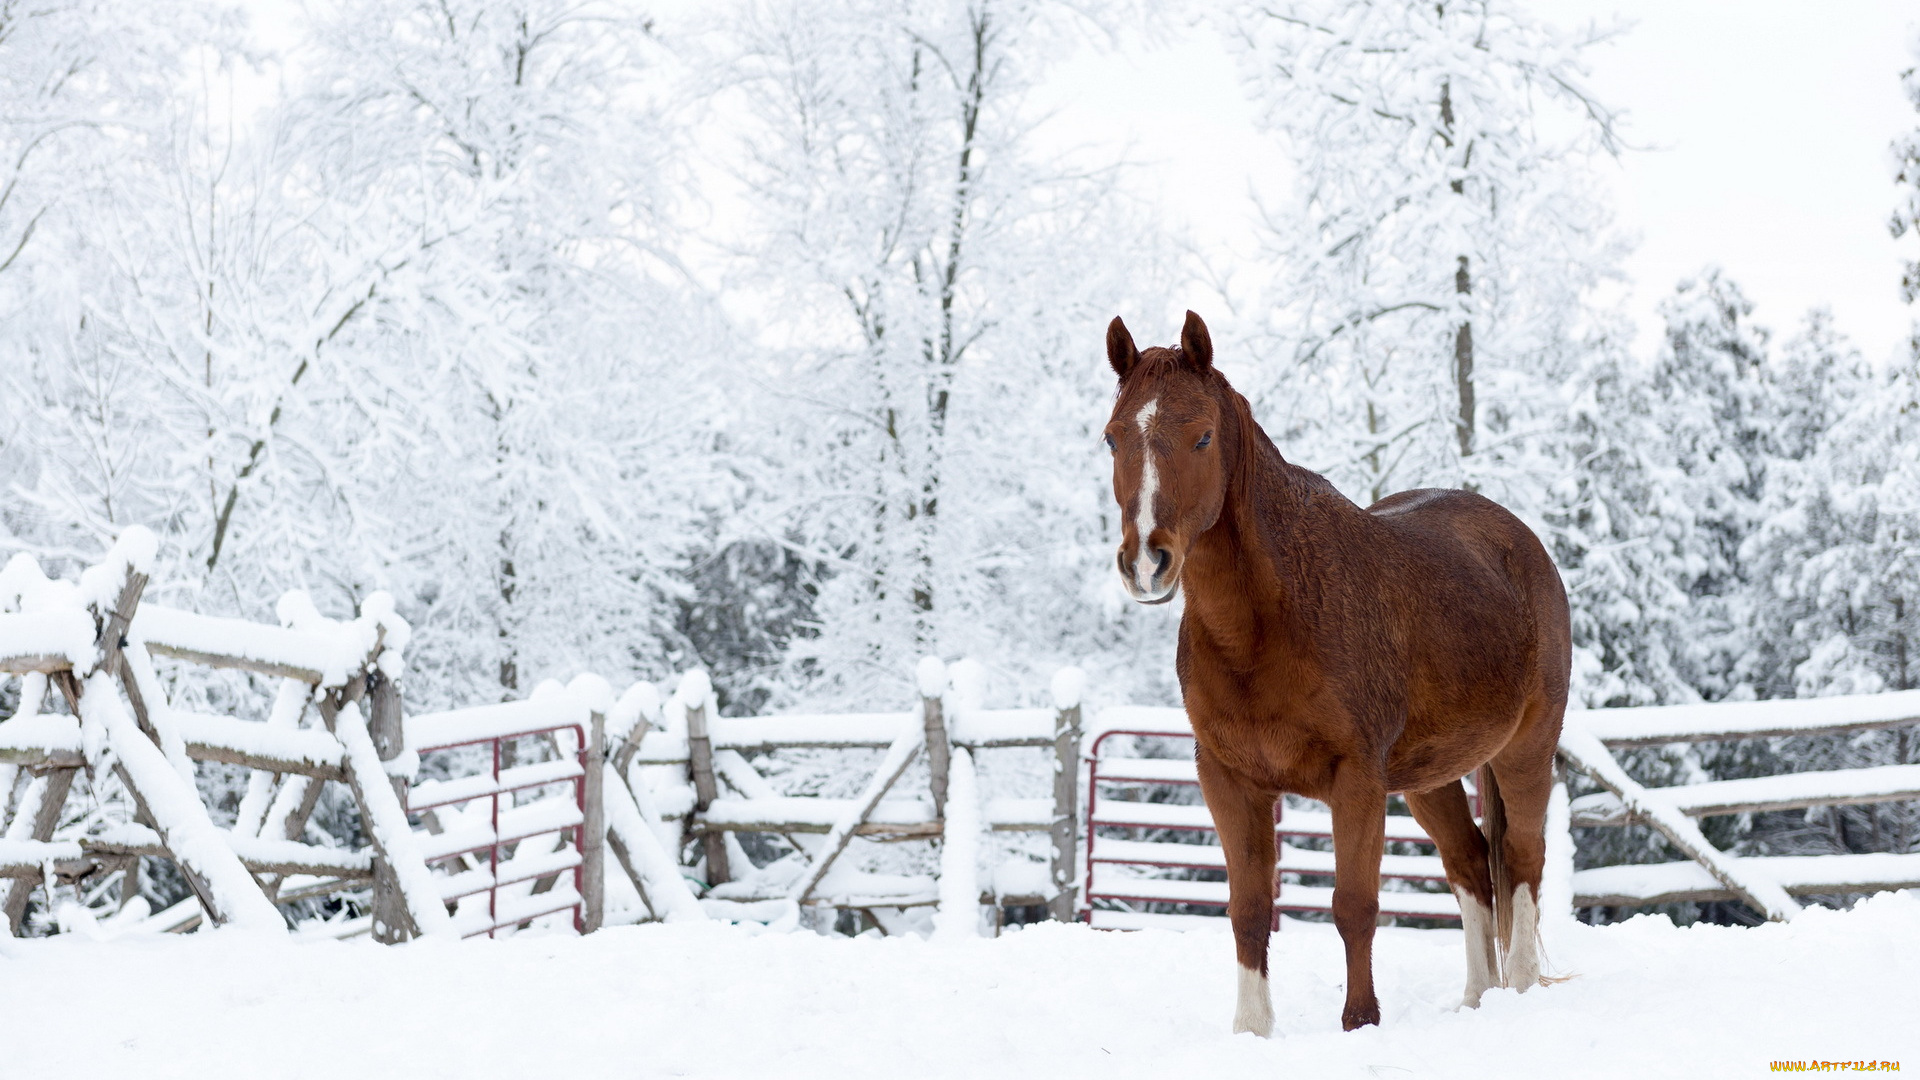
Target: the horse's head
pixel 1169 475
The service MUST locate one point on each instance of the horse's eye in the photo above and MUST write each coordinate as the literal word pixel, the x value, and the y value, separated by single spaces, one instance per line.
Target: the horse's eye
pixel 1108 439
pixel 1204 440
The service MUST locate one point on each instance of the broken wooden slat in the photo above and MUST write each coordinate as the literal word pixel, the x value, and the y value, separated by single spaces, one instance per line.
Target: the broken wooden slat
pixel 654 872
pixel 899 756
pixel 1752 886
pixel 174 807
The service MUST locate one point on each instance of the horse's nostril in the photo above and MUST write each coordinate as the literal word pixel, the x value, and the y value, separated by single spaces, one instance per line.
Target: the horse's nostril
pixel 1121 558
pixel 1161 557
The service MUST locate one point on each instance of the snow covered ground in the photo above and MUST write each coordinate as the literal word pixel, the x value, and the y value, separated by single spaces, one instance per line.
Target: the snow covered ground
pixel 710 1000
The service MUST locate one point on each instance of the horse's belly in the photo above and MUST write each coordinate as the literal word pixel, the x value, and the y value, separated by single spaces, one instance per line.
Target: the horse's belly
pixel 1427 756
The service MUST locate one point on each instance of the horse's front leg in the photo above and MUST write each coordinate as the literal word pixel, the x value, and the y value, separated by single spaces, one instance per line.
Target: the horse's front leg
pixel 1359 804
pixel 1243 816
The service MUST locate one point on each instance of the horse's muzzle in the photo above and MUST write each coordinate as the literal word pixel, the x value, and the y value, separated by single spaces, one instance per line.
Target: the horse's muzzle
pixel 1151 580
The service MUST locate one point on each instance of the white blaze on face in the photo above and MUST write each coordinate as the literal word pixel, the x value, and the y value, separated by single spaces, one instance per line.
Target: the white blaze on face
pixel 1143 562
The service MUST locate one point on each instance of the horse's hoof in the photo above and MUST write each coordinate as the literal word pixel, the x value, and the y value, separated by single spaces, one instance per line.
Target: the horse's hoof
pixel 1470 1000
pixel 1360 1017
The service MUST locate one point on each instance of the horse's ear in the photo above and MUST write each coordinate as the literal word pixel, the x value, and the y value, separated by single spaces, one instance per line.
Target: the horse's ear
pixel 1120 350
pixel 1196 343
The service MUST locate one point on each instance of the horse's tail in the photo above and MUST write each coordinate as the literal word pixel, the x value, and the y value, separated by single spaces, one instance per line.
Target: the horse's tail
pixel 1493 822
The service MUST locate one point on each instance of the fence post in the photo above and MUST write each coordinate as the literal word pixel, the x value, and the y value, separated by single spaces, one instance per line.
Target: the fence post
pixel 593 828
pixel 700 757
pixel 386 725
pixel 1067 686
pixel 932 677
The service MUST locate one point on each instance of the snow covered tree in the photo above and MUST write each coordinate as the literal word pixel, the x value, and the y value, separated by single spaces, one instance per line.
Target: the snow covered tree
pixel 1439 250
pixel 1711 374
pixel 939 302
pixel 509 176
pixel 1622 535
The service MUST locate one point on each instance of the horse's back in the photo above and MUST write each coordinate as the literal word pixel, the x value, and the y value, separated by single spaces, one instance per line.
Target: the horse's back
pixel 1483 611
pixel 1444 534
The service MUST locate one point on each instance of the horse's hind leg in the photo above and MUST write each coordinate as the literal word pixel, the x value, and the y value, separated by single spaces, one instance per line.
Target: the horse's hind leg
pixel 1444 813
pixel 1243 816
pixel 1523 771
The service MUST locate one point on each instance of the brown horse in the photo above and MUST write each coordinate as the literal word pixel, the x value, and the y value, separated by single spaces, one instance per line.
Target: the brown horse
pixel 1343 654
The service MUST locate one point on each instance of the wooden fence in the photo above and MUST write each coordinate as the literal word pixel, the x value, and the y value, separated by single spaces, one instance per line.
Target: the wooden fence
pixel 527 797
pixel 1766 884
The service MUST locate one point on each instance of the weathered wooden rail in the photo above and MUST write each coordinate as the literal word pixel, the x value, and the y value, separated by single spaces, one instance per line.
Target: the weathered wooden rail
pixel 1767 884
pixel 729 796
pixel 572 773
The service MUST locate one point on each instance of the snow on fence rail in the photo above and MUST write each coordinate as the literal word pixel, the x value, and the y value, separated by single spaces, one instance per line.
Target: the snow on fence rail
pixel 724 795
pixel 1767 884
pixel 518 841
pixel 572 772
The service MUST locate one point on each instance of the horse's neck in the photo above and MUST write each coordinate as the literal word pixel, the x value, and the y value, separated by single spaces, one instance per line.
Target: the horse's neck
pixel 1245 590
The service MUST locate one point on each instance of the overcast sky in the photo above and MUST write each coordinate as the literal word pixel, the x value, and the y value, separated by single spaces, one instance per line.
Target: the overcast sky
pixel 1768 125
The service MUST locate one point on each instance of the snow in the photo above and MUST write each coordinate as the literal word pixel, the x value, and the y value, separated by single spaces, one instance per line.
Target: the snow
pixel 959 915
pixel 1140 718
pixel 813 812
pixel 931 676
pixel 593 693
pixel 40 733
pixel 966 727
pixel 695 690
pixel 132 553
pixel 1068 684
pixel 430 731
pixel 639 705
pixel 1006 812
pixel 847 729
pixel 1646 999
pixel 516 823
pixel 309 746
pixel 256 850
pixel 429 794
pixel 67 634
pixel 289 704
pixel 1652 725
pixel 330 655
pixel 1784 791
pixel 1795 873
pixel 36 853
pixel 1003 727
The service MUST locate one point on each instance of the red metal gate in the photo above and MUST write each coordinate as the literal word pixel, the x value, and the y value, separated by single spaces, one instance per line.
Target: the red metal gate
pixel 510 827
pixel 1107 854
